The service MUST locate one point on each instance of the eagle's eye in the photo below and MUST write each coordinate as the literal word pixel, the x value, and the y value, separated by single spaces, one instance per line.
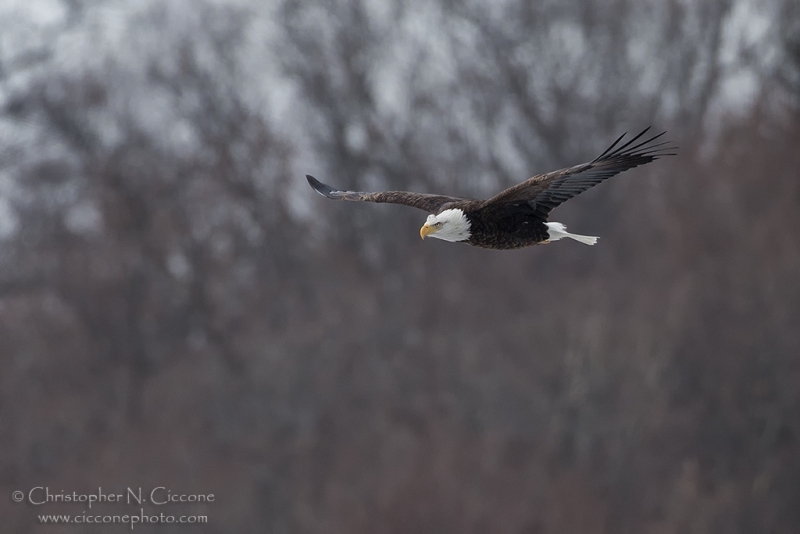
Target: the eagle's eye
pixel 438 224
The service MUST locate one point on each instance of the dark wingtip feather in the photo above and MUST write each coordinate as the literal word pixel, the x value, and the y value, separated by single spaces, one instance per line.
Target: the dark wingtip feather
pixel 319 187
pixel 621 150
pixel 646 148
pixel 609 149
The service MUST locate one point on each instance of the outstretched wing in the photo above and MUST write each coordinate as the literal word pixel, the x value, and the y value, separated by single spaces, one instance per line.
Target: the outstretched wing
pixel 429 203
pixel 546 191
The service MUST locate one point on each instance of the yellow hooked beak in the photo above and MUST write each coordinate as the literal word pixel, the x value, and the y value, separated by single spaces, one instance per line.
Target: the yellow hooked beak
pixel 426 229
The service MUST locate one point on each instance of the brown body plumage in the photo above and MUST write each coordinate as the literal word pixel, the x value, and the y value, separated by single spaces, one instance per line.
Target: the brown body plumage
pixel 516 217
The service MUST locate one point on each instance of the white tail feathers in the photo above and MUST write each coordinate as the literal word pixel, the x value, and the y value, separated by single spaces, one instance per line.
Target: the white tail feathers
pixel 559 231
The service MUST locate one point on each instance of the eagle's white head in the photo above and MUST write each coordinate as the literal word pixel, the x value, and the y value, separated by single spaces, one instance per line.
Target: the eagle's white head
pixel 450 225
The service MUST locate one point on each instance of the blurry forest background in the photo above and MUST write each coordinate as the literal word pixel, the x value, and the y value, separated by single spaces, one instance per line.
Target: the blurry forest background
pixel 179 309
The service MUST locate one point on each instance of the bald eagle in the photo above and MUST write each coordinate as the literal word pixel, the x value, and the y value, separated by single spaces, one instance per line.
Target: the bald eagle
pixel 516 217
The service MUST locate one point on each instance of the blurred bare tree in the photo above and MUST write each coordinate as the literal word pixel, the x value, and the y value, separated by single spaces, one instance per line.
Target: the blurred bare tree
pixel 178 309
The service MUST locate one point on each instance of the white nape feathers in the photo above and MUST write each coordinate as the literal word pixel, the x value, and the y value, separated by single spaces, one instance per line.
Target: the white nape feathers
pixel 449 225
